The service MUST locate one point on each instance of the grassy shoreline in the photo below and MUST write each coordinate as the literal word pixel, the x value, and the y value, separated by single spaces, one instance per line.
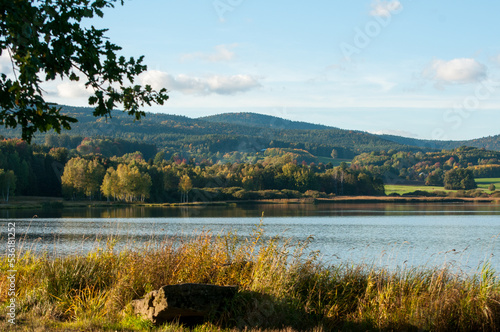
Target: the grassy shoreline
pixel 280 288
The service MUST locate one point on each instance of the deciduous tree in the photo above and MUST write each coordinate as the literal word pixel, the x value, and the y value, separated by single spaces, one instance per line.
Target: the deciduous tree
pixel 46 40
pixel 185 187
pixel 459 178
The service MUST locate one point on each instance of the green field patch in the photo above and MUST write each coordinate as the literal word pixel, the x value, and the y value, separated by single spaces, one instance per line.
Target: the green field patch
pixel 335 162
pixel 404 189
pixel 488 180
pixel 484 183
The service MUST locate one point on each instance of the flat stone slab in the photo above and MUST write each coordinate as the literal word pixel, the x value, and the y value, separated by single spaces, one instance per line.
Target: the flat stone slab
pixel 184 301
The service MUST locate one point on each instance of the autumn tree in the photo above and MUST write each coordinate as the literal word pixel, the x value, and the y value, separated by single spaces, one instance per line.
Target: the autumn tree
pixel 139 184
pixel 159 158
pixel 435 178
pixel 82 177
pixel 185 186
pixel 334 154
pixel 94 175
pixel 46 40
pixel 126 183
pixel 110 184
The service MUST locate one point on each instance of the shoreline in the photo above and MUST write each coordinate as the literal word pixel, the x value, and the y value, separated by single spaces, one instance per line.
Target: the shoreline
pixel 26 202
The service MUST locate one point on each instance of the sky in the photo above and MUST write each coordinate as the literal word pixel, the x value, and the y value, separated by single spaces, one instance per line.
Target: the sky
pixel 424 69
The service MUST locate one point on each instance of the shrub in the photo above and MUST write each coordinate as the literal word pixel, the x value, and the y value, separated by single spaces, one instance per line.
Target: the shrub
pixel 420 193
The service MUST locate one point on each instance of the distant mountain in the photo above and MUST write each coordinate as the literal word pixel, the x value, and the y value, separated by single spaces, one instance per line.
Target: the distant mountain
pixel 431 144
pixel 262 121
pixel 488 143
pixel 267 121
pixel 243 132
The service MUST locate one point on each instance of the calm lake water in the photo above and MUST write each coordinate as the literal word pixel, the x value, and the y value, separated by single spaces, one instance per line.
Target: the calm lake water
pixel 432 234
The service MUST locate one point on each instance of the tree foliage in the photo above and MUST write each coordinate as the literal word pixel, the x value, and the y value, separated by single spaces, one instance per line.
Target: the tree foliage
pixel 185 186
pixel 459 178
pixel 430 167
pixel 46 40
pixel 36 170
pixel 82 177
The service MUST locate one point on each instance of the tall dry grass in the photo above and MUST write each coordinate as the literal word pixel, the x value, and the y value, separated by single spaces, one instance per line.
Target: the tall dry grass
pixel 282 286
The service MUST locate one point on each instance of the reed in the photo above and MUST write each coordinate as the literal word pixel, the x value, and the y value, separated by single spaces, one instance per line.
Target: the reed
pixel 282 287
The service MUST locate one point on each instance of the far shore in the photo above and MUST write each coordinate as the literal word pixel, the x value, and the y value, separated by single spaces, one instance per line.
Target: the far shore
pixel 28 202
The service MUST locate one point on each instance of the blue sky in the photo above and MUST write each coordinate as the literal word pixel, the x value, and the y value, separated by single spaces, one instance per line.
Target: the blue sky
pixel 426 69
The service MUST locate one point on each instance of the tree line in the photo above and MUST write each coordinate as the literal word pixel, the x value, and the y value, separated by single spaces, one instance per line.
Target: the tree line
pixel 30 170
pixel 433 168
pixel 271 173
pixel 131 178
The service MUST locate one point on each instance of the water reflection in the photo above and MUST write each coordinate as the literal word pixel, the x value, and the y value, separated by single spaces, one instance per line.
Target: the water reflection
pixel 256 210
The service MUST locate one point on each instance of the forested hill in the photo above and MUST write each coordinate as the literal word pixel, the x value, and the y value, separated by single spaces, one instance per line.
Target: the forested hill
pixel 488 143
pixel 198 136
pixel 244 132
pixel 266 121
pixel 263 121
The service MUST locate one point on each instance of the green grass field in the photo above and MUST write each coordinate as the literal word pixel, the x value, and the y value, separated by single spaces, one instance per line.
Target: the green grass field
pixel 335 162
pixel 482 183
pixel 403 189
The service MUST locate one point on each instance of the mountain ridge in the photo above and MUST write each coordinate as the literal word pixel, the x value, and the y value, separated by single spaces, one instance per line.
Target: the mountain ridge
pixel 487 142
pixel 245 131
pixel 263 120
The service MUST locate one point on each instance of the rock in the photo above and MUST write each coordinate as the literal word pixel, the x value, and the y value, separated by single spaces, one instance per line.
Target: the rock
pixel 184 302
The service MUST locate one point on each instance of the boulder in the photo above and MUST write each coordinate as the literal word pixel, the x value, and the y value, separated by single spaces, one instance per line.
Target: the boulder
pixel 184 302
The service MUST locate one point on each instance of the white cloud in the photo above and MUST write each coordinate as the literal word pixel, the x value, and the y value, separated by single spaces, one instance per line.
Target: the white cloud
pixel 221 53
pixel 227 85
pixel 218 84
pixel 159 80
pixel 73 90
pixel 461 71
pixel 385 8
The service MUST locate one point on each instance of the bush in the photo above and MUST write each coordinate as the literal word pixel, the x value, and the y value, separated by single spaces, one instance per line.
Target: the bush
pixel 495 194
pixel 476 193
pixel 270 194
pixel 291 193
pixel 458 193
pixel 246 195
pixel 420 193
pixel 439 193
pixel 314 194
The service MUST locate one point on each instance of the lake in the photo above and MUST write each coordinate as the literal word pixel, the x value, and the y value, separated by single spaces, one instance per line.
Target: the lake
pixel 463 235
